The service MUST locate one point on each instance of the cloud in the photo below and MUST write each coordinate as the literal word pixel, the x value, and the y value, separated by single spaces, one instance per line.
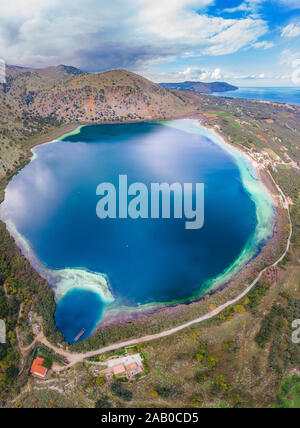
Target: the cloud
pixel 241 34
pixel 255 6
pixel 291 59
pixel 21 8
pixel 291 4
pixel 291 30
pixel 99 35
pixel 196 74
pixel 263 45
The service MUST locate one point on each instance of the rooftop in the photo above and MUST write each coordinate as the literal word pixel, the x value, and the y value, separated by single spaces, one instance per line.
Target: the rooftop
pixel 119 369
pixel 37 368
pixel 132 366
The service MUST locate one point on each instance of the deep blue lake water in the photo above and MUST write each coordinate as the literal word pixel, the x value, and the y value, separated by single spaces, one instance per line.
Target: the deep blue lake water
pixel 289 95
pixel 52 203
pixel 77 310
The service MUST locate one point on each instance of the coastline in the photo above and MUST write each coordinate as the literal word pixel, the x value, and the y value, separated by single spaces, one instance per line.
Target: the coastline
pixel 177 313
pixel 224 279
pixel 153 307
pixel 61 281
pixel 249 97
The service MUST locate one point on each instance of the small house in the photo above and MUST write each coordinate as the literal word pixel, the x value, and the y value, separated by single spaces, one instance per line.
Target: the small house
pixel 133 369
pixel 119 370
pixel 37 368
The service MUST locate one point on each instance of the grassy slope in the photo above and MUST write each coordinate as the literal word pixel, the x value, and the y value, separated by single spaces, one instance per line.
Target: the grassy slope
pixel 217 364
pixel 253 125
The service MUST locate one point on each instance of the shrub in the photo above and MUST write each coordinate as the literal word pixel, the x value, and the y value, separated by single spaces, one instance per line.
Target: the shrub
pixel 118 389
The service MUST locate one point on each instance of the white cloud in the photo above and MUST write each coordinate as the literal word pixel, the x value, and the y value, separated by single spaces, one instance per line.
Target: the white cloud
pixel 217 74
pixel 98 35
pixel 255 6
pixel 194 74
pixel 241 34
pixel 292 4
pixel 21 8
pixel 291 59
pixel 263 45
pixel 198 74
pixel 203 34
pixel 291 30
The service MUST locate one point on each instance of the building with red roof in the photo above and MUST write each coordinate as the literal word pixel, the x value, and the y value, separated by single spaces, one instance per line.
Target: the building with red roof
pixel 37 368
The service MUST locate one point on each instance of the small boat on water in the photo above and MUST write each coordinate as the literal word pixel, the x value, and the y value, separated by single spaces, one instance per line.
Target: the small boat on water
pixel 79 335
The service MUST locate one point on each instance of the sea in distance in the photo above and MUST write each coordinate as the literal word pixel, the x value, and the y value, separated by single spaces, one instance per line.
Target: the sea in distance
pixel 289 95
pixel 96 265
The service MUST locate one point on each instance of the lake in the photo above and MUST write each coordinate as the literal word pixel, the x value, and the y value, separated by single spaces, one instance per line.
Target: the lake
pixel 96 264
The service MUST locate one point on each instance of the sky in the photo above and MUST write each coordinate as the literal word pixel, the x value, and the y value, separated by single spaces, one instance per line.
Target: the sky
pixel 244 42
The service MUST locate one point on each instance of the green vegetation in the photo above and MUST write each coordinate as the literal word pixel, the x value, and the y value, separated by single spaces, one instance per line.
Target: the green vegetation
pixel 23 285
pixel 284 354
pixel 103 403
pixel 257 294
pixel 222 114
pixel 48 355
pixel 264 335
pixel 289 396
pixel 119 390
pixel 48 362
pixel 244 357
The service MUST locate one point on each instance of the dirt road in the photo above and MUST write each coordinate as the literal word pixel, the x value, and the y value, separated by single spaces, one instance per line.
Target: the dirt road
pixel 76 358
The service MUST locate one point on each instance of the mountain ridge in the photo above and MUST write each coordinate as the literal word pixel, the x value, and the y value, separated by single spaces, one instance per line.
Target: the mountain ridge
pixel 200 87
pixel 33 101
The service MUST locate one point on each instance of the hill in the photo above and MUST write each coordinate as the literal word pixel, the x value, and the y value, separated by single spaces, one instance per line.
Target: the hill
pixel 32 101
pixel 217 364
pixel 200 87
pixel 72 95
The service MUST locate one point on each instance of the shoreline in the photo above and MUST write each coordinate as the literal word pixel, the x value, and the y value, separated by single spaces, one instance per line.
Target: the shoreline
pixel 152 307
pixel 212 286
pixel 68 129
pixel 254 100
pixel 183 310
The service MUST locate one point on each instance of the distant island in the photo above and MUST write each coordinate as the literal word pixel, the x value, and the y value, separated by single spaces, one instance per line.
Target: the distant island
pixel 200 87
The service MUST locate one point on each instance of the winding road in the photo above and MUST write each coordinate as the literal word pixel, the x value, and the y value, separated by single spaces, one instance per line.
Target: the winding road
pixel 76 358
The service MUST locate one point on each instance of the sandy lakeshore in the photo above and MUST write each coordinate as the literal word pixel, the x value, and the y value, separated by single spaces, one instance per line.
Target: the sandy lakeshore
pixel 231 281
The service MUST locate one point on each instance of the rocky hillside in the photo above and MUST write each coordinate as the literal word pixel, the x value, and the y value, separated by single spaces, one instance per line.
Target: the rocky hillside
pixel 11 134
pixel 35 100
pixel 71 95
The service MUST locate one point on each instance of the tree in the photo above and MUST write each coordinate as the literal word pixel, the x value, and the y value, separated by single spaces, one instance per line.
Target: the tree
pixel 164 391
pixel 47 363
pixel 118 389
pixel 103 403
pixel 100 381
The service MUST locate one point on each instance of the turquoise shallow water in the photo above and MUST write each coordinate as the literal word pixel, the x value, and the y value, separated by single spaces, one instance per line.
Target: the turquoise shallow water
pixel 52 205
